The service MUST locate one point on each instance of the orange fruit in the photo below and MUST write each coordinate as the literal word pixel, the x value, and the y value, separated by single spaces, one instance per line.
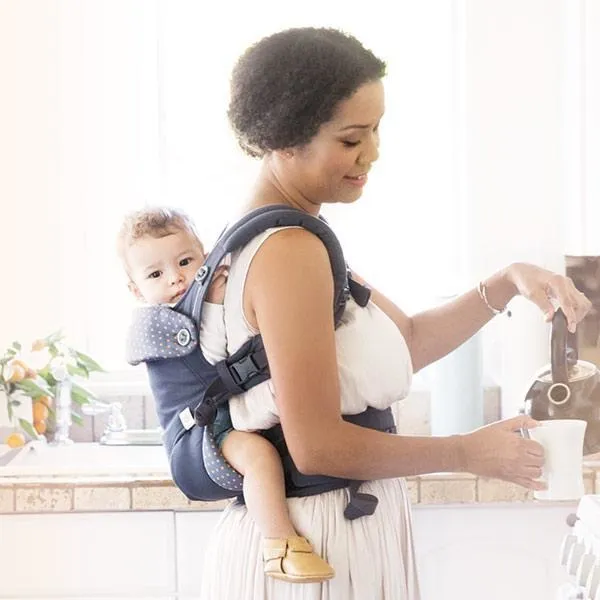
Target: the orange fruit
pixel 14 371
pixel 45 400
pixel 38 345
pixel 29 372
pixel 15 440
pixel 40 412
pixel 40 426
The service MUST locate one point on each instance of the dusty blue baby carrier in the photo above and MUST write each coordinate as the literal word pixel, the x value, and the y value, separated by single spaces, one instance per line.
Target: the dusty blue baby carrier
pixel 187 389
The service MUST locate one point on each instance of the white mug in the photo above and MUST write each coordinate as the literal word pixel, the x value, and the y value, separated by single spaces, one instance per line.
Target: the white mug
pixel 562 440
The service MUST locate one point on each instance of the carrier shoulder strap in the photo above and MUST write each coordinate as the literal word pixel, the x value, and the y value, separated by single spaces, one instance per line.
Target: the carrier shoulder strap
pixel 248 227
pixel 249 366
pixel 163 332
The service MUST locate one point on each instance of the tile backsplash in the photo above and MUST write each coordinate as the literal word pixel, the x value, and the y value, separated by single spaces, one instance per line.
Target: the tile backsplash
pixel 138 410
pixel 412 414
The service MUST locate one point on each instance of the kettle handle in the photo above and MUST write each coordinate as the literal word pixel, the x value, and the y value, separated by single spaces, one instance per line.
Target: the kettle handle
pixel 563 348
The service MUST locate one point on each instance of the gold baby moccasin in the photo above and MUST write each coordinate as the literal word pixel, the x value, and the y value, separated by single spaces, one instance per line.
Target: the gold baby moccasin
pixel 294 560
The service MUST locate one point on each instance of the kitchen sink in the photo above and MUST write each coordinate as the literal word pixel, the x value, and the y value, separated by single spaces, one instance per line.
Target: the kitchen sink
pixel 133 437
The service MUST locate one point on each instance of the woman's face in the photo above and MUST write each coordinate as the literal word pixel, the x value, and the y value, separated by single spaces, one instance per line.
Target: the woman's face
pixel 333 166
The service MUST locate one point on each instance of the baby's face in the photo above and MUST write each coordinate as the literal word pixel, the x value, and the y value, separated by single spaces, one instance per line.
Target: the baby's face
pixel 161 269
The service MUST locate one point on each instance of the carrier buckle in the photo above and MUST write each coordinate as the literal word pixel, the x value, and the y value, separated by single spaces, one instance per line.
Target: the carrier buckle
pixel 244 369
pixel 204 413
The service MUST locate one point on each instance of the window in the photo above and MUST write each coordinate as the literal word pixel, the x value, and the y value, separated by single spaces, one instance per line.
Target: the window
pixel 136 111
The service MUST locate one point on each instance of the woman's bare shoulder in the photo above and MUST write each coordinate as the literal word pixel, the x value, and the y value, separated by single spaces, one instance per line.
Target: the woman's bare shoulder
pixel 289 270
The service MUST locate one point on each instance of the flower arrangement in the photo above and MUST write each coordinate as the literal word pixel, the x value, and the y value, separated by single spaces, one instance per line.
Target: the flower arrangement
pixel 35 375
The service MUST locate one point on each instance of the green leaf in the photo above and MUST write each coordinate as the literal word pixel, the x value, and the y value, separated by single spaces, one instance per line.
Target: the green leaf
pixel 28 428
pixel 54 337
pixel 89 363
pixel 81 395
pixel 80 398
pixel 35 389
pixel 9 410
pixel 77 418
pixel 17 346
pixel 83 391
pixel 79 371
pixel 14 402
pixel 48 378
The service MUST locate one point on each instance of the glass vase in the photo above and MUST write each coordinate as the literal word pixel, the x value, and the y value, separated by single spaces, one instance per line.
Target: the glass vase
pixel 62 408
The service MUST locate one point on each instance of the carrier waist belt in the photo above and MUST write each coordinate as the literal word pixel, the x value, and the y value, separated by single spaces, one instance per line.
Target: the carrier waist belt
pixel 297 484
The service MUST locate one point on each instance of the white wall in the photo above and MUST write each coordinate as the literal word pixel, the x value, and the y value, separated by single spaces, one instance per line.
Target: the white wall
pixel 532 105
pixel 78 121
pixel 581 150
pixel 514 184
pixel 29 138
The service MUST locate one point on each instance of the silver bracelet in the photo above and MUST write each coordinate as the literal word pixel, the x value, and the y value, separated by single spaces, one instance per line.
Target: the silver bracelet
pixel 481 288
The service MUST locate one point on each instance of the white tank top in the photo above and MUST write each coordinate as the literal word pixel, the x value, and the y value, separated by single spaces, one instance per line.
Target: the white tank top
pixel 374 363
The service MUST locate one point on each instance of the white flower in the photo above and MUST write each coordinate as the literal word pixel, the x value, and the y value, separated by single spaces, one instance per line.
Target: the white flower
pixel 36 359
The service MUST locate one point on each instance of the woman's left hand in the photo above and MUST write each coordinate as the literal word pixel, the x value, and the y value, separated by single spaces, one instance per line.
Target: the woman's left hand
pixel 549 290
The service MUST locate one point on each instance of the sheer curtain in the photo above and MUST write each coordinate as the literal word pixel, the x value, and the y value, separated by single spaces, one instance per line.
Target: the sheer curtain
pixel 400 235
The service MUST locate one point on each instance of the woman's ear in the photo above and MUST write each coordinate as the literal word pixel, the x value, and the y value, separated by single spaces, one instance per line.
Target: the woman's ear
pixel 285 153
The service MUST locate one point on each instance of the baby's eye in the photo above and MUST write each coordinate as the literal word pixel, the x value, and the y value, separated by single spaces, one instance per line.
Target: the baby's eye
pixel 154 275
pixel 185 261
pixel 350 144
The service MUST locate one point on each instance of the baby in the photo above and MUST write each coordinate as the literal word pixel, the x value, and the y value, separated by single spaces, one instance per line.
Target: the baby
pixel 161 252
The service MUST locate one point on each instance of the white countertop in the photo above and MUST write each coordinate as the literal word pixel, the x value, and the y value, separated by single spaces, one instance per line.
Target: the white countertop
pixel 90 459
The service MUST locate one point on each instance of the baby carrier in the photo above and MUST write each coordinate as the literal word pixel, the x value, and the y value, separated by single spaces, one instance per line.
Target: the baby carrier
pixel 187 389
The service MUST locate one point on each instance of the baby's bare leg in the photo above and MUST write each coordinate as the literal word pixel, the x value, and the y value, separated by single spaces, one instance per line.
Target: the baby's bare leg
pixel 286 555
pixel 264 490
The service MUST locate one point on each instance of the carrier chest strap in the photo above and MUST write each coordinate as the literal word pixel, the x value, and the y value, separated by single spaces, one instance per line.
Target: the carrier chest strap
pixel 236 374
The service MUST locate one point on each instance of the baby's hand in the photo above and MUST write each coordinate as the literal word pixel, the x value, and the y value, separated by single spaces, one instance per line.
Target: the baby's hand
pixel 216 290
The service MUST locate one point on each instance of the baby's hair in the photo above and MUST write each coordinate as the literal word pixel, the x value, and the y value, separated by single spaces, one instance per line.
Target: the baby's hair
pixel 156 222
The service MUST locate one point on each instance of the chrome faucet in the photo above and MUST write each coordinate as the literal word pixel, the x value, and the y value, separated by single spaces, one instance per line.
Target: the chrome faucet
pixel 116 432
pixel 116 420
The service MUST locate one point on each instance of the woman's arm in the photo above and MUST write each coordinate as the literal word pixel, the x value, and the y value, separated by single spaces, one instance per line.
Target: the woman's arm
pixel 288 297
pixel 432 334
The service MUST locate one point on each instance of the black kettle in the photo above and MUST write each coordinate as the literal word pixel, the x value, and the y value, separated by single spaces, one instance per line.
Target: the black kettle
pixel 567 388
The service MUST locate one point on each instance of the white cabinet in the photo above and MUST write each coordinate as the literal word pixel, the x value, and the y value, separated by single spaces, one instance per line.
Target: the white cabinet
pixel 471 551
pixel 496 552
pixel 127 555
pixel 491 551
pixel 193 535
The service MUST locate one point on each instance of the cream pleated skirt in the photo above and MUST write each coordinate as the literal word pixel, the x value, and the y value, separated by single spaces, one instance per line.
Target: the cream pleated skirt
pixel 373 556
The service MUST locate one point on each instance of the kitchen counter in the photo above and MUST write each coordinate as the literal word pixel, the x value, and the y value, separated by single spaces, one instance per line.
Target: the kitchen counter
pixel 90 477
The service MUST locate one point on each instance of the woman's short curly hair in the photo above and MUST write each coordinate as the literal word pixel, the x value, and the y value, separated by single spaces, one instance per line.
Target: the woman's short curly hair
pixel 284 87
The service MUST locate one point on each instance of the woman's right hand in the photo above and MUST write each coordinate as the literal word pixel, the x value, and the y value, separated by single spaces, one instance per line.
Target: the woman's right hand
pixel 500 451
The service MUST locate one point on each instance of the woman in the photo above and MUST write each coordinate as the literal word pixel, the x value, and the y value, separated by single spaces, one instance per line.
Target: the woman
pixel 308 103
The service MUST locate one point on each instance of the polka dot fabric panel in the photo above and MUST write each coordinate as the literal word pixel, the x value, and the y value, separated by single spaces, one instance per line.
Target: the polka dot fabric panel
pixel 159 332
